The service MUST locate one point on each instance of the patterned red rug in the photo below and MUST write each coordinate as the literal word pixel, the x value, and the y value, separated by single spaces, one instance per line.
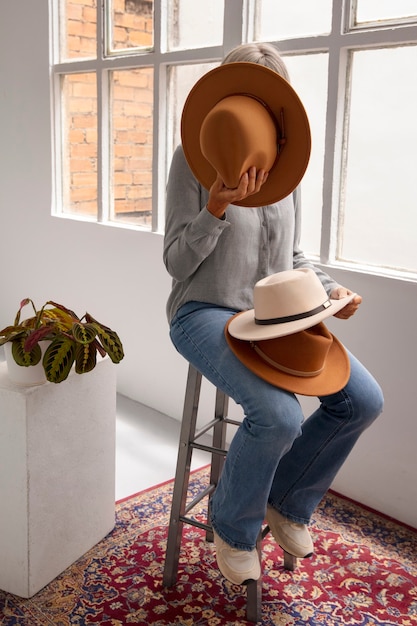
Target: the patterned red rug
pixel 364 572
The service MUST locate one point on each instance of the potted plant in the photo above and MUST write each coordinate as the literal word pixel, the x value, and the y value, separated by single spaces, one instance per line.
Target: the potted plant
pixel 67 339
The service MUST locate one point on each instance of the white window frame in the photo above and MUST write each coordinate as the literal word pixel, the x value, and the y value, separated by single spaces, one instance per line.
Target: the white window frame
pixel 339 44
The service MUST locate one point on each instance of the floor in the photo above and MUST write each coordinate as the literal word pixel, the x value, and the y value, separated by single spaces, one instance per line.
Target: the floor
pixel 146 448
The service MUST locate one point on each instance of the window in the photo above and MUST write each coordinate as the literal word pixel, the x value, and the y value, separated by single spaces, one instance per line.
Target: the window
pixel 377 11
pixel 275 19
pixel 104 105
pixel 378 217
pixel 123 68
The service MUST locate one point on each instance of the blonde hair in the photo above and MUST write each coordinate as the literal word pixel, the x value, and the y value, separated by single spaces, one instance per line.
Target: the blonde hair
pixel 263 53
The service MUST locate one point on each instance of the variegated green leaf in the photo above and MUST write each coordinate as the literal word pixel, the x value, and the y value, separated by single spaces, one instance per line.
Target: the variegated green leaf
pixel 67 312
pixel 85 358
pixel 109 339
pixel 22 357
pixel 61 319
pixel 59 358
pixel 10 333
pixel 111 343
pixel 84 333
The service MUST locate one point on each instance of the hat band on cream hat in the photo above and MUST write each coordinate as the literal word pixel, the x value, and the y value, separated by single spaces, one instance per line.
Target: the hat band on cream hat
pixel 296 316
pixel 285 303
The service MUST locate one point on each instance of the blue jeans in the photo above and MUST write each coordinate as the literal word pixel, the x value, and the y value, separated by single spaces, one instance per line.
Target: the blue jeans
pixel 276 456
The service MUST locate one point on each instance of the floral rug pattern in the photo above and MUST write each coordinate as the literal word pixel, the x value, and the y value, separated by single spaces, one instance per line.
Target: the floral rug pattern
pixel 363 573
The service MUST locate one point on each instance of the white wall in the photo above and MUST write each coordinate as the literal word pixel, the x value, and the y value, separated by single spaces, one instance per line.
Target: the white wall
pixel 118 276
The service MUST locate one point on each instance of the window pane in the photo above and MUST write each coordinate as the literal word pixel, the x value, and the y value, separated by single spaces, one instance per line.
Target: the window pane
pixel 131 24
pixel 79 145
pixel 309 78
pixel 181 78
pixel 78 29
pixel 278 19
pixel 195 23
pixel 375 10
pixel 132 120
pixel 380 217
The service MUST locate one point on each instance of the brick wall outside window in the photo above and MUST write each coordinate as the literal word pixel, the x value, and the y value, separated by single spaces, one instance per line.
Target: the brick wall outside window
pixel 131 113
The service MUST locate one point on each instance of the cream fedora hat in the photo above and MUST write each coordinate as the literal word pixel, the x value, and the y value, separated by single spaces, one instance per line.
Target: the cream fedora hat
pixel 243 114
pixel 285 303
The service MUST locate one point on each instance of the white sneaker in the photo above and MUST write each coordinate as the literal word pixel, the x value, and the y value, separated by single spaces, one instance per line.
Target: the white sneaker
pixel 238 566
pixel 293 537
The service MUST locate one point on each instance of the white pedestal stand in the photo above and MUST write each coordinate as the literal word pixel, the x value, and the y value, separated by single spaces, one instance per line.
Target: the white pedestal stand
pixel 57 474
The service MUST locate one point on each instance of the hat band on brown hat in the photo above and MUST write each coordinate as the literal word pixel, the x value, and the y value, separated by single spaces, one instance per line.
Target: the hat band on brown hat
pixel 301 354
pixel 278 121
pixel 283 368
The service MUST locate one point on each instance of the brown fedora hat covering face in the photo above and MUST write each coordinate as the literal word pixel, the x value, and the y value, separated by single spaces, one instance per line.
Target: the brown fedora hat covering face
pixel 311 362
pixel 236 134
pixel 224 134
pixel 285 303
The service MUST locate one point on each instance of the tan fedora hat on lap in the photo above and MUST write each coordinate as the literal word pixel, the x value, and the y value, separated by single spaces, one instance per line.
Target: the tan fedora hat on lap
pixel 283 339
pixel 240 115
pixel 311 362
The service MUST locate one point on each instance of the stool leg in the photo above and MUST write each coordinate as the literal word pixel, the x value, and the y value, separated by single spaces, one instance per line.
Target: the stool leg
pixel 219 441
pixel 182 476
pixel 290 561
pixel 254 591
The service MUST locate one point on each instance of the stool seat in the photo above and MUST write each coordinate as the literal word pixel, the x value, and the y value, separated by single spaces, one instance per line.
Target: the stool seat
pixel 190 439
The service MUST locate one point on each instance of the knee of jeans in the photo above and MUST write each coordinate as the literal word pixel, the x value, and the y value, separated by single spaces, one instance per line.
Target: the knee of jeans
pixel 368 406
pixel 274 428
pixel 374 404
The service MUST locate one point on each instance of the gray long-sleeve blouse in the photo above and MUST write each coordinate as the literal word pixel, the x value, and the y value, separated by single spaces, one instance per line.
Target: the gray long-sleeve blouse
pixel 218 261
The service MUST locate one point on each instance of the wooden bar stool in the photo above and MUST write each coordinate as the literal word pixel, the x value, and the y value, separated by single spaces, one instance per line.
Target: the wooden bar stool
pixel 189 440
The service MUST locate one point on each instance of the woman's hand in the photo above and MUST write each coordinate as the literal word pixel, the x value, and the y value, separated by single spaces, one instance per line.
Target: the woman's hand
pixel 351 308
pixel 221 196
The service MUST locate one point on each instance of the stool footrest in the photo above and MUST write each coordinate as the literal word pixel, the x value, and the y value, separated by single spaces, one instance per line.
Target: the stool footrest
pixel 208 427
pixel 224 420
pixel 211 449
pixel 194 522
pixel 203 493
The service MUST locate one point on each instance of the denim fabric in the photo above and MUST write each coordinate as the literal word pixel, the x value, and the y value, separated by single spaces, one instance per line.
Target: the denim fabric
pixel 275 456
